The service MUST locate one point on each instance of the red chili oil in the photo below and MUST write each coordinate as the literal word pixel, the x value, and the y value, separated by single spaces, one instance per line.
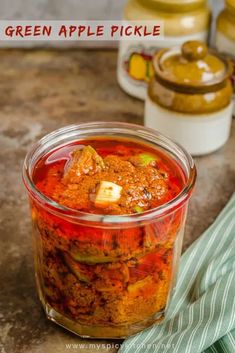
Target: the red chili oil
pixel 110 277
pixel 49 171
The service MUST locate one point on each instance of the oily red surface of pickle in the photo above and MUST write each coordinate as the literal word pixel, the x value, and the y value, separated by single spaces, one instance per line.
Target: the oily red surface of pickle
pixel 148 186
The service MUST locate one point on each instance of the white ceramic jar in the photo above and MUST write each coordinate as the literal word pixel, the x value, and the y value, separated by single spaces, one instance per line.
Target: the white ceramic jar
pixel 225 35
pixel 190 97
pixel 183 20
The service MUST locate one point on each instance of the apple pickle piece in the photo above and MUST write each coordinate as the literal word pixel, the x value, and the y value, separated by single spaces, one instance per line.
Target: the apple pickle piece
pixel 107 194
pixel 85 161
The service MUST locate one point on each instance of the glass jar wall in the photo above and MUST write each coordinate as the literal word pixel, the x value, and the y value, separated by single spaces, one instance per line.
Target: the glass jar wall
pixel 106 276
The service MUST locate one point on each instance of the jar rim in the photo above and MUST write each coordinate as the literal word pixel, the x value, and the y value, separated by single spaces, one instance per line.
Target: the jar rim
pixel 108 221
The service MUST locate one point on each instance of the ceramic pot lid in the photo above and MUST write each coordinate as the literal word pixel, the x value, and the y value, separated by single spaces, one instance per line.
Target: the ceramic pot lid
pixel 183 5
pixel 192 67
pixel 231 5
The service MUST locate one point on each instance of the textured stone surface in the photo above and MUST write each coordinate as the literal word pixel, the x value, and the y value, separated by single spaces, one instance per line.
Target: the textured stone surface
pixel 39 92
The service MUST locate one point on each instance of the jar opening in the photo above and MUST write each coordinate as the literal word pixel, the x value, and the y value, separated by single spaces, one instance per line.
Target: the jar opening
pixel 84 131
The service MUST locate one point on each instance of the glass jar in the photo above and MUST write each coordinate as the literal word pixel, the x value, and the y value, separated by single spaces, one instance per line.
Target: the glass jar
pixel 75 252
pixel 225 35
pixel 183 20
pixel 190 97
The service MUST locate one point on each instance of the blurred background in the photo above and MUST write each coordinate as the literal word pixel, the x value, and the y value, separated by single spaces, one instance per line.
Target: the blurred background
pixel 70 10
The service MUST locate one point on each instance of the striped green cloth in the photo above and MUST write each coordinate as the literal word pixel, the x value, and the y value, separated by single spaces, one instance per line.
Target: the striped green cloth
pixel 201 316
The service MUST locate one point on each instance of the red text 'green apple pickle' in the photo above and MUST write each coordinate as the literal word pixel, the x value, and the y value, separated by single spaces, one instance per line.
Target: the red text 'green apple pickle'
pixel 98 276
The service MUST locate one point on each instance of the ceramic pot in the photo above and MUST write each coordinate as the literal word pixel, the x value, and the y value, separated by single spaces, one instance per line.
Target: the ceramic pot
pixel 183 20
pixel 190 97
pixel 225 35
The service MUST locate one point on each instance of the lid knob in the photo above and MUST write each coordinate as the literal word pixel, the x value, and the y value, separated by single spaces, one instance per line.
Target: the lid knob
pixel 194 50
